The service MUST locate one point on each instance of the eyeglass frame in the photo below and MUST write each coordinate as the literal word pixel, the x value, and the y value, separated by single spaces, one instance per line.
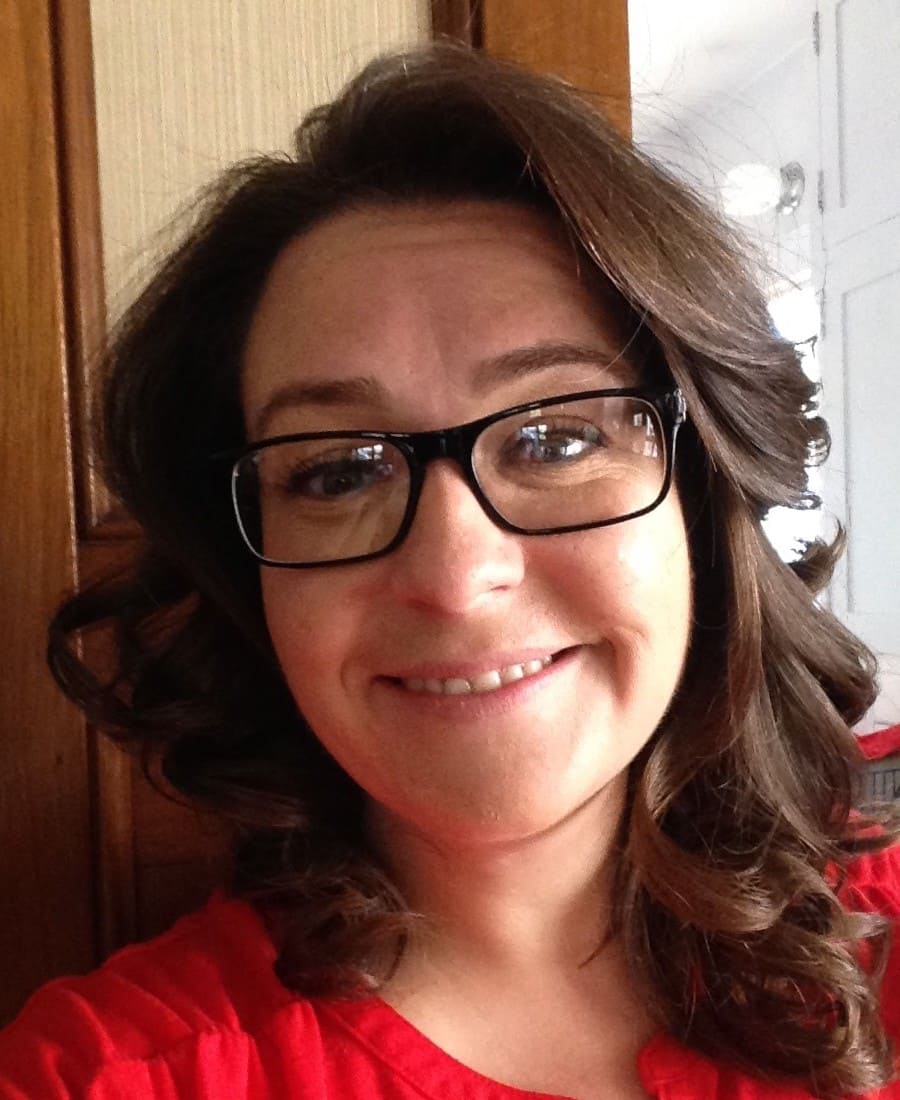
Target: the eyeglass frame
pixel 457 444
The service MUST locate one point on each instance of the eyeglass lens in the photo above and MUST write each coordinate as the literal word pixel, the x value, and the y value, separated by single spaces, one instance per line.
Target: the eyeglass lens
pixel 572 464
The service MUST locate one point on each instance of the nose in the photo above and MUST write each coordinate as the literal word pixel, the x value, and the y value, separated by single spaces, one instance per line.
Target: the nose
pixel 454 558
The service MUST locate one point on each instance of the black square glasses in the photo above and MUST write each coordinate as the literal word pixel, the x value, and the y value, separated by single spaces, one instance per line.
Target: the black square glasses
pixel 561 464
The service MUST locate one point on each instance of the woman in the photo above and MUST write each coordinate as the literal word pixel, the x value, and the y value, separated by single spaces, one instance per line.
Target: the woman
pixel 540 755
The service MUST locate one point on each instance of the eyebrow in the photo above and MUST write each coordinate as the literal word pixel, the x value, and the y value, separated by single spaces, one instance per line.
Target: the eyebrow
pixel 510 365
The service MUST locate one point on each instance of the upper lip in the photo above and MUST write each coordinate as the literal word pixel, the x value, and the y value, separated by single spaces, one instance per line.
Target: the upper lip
pixel 466 670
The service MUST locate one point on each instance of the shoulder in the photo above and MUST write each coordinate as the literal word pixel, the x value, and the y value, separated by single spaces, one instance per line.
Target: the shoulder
pixel 211 974
pixel 668 1068
pixel 872 883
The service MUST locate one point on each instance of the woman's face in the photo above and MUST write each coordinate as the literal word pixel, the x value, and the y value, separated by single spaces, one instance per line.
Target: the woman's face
pixel 414 310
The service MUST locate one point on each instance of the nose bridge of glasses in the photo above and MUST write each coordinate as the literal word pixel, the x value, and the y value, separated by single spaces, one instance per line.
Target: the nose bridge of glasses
pixel 453 443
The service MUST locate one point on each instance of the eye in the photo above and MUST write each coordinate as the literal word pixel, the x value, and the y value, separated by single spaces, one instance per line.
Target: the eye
pixel 336 476
pixel 550 441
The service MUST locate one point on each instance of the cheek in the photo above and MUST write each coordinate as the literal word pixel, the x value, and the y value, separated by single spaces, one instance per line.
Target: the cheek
pixel 306 626
pixel 630 588
pixel 634 578
pixel 655 576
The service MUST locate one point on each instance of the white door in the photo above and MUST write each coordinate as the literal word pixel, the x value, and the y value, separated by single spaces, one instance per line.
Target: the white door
pixel 859 91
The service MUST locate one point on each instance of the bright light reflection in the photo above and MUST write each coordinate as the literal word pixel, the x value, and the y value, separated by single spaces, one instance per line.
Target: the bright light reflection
pixel 796 316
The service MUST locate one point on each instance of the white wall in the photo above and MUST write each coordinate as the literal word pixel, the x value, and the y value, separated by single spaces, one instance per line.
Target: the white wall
pixel 770 118
pixel 725 84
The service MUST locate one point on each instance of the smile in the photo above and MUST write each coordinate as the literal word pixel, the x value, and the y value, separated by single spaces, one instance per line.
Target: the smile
pixel 491 680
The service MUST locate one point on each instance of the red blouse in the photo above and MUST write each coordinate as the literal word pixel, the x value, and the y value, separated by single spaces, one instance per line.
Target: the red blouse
pixel 198 1014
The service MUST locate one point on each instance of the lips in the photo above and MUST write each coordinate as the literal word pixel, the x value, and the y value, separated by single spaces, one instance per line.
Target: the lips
pixel 479 684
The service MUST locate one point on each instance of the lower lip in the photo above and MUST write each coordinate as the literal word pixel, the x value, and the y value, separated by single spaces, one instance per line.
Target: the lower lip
pixel 473 704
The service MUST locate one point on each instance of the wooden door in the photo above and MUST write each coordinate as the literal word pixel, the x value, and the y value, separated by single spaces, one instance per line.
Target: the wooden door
pixel 46 902
pixel 91 857
pixel 583 41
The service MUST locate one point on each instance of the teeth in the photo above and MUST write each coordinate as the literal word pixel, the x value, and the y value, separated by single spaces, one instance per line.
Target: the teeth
pixel 457 687
pixel 485 681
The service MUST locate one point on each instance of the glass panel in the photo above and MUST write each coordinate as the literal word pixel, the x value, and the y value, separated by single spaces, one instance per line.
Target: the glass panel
pixel 574 463
pixel 322 500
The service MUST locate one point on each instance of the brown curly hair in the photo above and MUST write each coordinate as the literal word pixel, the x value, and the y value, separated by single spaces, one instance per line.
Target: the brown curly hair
pixel 740 813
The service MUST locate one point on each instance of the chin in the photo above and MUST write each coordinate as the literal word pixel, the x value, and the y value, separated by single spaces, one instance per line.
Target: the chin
pixel 519 815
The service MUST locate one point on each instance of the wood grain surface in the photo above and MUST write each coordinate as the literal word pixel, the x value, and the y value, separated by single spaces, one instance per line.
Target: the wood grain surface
pixel 583 41
pixel 82 241
pixel 458 19
pixel 45 870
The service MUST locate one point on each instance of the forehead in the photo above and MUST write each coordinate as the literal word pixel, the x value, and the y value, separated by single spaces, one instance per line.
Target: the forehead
pixel 429 234
pixel 419 295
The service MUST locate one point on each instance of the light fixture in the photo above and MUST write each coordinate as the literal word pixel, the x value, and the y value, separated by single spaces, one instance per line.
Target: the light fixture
pixel 750 190
pixel 793 184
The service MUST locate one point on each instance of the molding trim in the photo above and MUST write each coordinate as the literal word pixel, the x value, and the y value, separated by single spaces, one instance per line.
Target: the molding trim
pixel 85 292
pixel 459 19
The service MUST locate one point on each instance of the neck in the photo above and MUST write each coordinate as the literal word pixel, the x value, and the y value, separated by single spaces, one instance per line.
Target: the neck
pixel 538 901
